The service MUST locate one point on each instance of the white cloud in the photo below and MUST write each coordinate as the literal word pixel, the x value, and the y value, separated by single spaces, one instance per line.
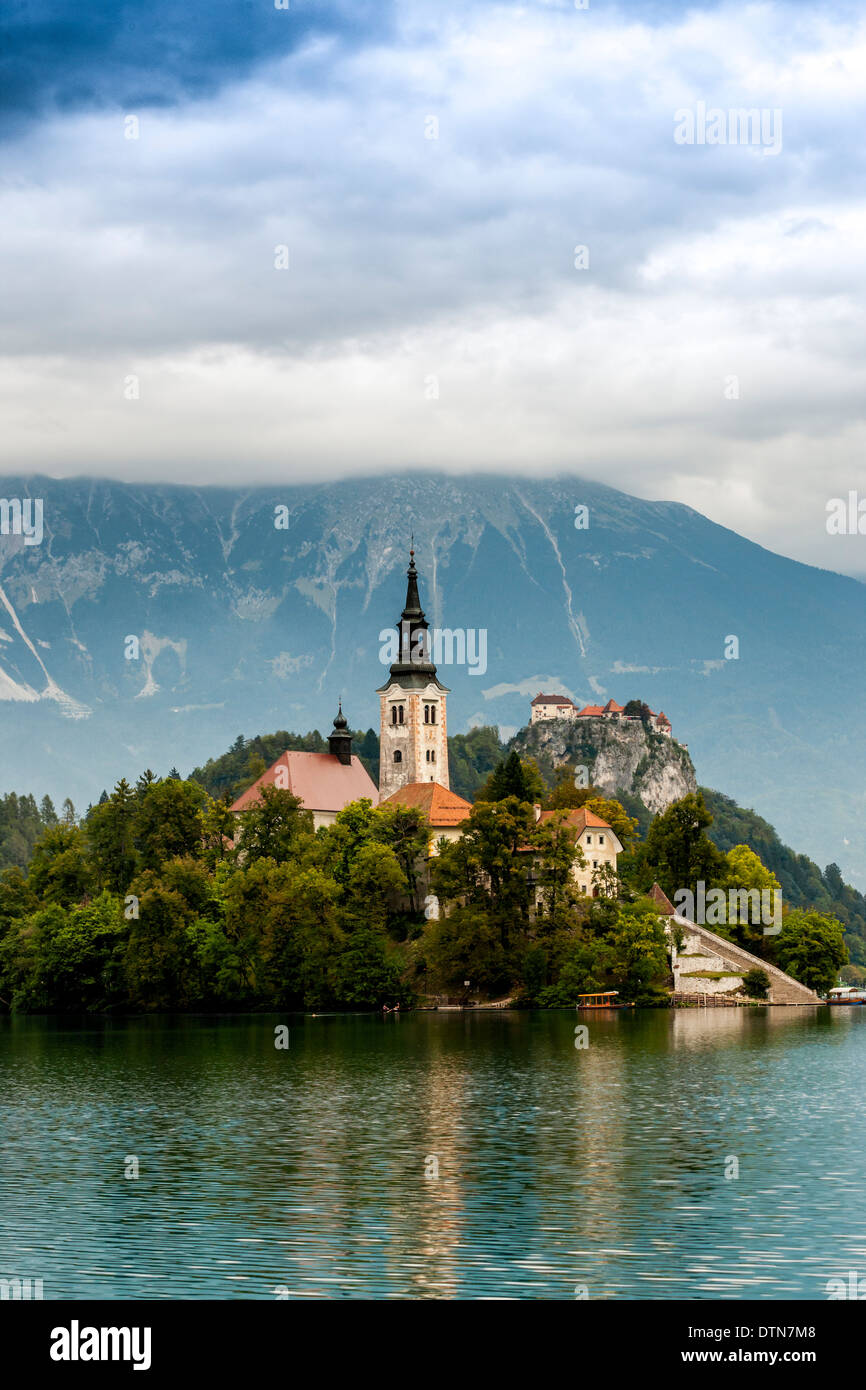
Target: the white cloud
pixel 445 267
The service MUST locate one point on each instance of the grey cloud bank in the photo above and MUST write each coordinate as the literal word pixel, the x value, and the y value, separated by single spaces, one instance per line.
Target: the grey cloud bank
pixel 431 315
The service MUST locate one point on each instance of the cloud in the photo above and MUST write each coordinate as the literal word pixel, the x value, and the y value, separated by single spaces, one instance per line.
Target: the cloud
pixel 431 314
pixel 67 58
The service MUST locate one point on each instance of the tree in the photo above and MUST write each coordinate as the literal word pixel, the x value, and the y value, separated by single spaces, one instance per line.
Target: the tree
pixel 301 940
pixel 110 831
pixel 59 870
pixel 513 778
pixel 586 967
pixel 405 831
pixel 557 855
pixel 605 883
pixel 811 947
pixel 167 821
pixel 639 957
pixel 374 887
pixel 756 983
pixel 638 709
pixel 744 874
pixel 218 829
pixel 79 954
pixel 367 976
pixel 47 811
pixel 566 795
pixel 677 853
pixel 271 827
pixel 489 864
pixel 160 964
pixel 466 945
pixel 471 758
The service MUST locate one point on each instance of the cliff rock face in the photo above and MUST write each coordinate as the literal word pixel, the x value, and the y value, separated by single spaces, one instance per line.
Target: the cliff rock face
pixel 621 755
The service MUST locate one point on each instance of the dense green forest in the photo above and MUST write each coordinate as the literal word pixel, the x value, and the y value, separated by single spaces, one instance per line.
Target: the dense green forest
pixel 473 756
pixel 802 882
pixel 159 898
pixel 22 823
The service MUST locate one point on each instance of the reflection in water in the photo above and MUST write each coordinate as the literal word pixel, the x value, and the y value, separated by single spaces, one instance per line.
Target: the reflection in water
pixel 307 1169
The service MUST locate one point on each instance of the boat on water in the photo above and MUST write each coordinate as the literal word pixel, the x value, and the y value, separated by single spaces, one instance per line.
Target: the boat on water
pixel 607 999
pixel 847 994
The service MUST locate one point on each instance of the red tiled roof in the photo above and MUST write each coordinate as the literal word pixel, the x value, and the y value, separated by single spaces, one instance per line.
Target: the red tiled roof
pixel 552 700
pixel 590 709
pixel 613 708
pixel 321 781
pixel 659 896
pixel 441 807
pixel 662 718
pixel 581 818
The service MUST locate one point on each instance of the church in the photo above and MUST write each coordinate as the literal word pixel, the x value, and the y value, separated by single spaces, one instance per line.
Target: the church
pixel 413 743
pixel 413 729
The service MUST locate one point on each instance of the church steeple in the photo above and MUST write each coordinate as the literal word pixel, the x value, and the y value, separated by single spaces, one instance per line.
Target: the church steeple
pixel 414 639
pixel 413 732
pixel 413 607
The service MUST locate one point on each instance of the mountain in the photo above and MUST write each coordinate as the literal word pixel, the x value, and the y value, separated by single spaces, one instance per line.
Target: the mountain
pixel 256 609
pixel 620 756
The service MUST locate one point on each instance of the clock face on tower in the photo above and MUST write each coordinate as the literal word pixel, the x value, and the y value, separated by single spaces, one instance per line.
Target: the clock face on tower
pixel 413 729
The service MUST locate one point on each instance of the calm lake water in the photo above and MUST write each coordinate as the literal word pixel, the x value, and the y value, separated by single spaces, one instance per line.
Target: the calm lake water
pixel 306 1169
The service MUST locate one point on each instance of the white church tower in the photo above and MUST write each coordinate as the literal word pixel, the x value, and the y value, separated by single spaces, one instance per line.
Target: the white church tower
pixel 413 733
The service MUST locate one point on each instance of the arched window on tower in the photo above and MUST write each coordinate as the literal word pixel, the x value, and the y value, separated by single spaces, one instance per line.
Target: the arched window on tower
pixel 398 756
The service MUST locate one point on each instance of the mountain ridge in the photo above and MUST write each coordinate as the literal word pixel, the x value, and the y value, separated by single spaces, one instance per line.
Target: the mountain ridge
pixel 243 626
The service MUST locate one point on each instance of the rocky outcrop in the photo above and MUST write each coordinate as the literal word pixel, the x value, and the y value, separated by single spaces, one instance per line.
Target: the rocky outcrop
pixel 620 755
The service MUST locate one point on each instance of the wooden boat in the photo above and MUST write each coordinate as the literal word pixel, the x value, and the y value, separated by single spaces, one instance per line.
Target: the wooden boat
pixel 606 999
pixel 847 994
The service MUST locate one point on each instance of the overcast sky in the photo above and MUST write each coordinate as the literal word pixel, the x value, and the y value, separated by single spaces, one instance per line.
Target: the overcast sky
pixel 431 314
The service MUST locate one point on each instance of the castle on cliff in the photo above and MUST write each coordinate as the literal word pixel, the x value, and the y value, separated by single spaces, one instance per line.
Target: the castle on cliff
pixel 560 707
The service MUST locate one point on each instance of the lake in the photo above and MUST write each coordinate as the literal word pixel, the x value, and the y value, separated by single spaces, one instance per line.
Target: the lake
pixel 464 1155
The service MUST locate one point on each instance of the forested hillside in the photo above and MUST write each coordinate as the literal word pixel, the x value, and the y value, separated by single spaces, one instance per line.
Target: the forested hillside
pixel 803 883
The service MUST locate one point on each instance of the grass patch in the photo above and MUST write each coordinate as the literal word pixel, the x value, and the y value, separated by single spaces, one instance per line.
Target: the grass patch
pixel 711 975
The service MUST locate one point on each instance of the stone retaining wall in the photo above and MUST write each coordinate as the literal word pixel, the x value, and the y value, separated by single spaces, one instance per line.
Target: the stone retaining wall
pixel 707 951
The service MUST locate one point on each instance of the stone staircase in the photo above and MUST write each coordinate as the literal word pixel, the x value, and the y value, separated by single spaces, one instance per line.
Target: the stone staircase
pixel 712 952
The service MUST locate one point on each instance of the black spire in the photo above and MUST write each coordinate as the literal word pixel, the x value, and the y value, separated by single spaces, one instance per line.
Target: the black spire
pixel 414 667
pixel 413 607
pixel 339 739
pixel 415 655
